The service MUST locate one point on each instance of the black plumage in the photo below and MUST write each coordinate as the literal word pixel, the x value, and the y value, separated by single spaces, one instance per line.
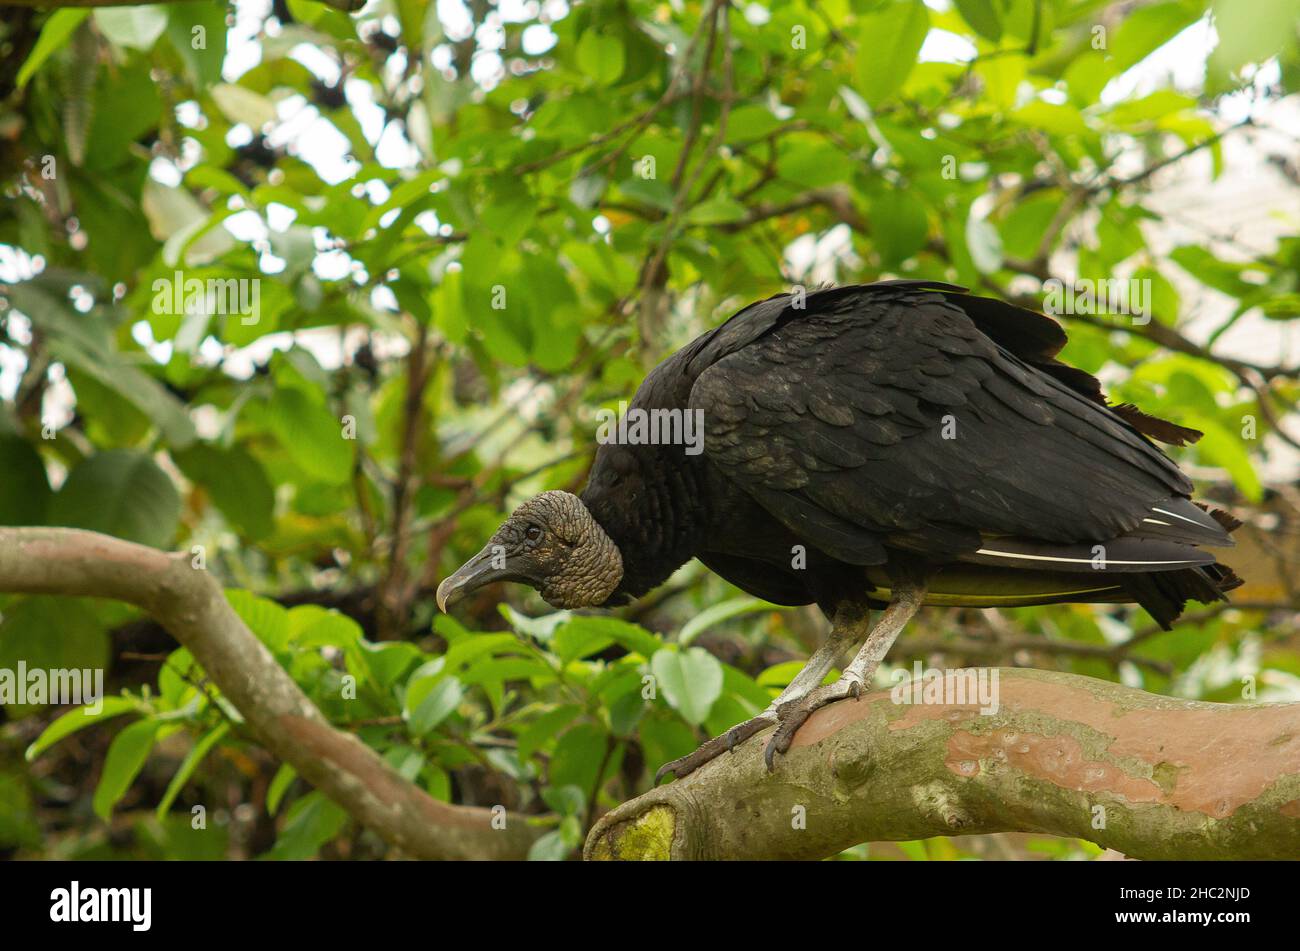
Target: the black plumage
pixel 883 446
pixel 905 423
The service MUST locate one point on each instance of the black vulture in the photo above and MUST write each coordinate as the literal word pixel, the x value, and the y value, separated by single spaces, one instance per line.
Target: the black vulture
pixel 872 447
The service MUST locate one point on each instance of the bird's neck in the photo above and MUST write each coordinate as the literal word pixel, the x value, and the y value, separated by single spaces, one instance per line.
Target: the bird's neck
pixel 654 512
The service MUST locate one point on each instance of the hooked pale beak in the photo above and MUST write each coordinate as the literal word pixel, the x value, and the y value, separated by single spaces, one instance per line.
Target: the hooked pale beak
pixel 470 576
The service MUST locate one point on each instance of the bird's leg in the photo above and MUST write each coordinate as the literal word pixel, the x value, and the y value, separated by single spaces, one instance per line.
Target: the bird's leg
pixel 804 682
pixel 906 599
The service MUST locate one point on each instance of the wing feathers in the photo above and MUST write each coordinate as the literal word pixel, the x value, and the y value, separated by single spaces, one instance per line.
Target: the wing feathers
pixel 837 417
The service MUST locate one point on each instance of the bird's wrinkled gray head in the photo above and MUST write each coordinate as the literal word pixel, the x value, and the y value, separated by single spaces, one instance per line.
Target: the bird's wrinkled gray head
pixel 551 543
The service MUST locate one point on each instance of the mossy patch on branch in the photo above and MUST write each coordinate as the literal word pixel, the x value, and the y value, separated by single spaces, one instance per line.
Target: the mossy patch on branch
pixel 644 838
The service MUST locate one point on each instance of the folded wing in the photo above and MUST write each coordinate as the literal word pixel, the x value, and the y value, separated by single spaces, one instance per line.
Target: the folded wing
pixel 903 417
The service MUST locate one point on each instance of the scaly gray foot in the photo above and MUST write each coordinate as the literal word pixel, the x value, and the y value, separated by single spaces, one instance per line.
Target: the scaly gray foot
pixel 792 715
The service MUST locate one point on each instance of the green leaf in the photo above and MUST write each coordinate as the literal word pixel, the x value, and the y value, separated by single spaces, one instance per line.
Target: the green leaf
pixel 176 678
pixel 465 652
pixel 1252 32
pixel 1059 119
pixel 717 613
pixel 983 18
pixel 650 191
pixel 564 800
pixel 665 739
pixel 312 821
pixel 631 636
pixel 24 489
pixel 126 756
pixel 280 783
pixel 52 633
pixel 1222 275
pixel 426 708
pixel 1023 226
pixel 134 27
pixel 87 347
pixel 296 246
pixel 133 385
pixel 716 211
pixel 311 625
pixel 388 661
pixel 1002 76
pixel 546 726
pixel 57 29
pixel 600 56
pixel 311 435
pixel 173 213
pixel 122 493
pixel 19 826
pixel 511 210
pixel 889 41
pixel 577 639
pixel 551 847
pixel 1222 447
pixel 266 619
pixel 778 675
pixel 744 688
pixel 241 104
pixel 188 765
pixel 198 32
pixel 624 698
pixel 79 719
pixel 540 628
pixel 1163 301
pixel 1147 28
pixel 237 483
pixel 690 680
pixel 578 756
pixel 899 225
pixel 511 668
pixel 813 161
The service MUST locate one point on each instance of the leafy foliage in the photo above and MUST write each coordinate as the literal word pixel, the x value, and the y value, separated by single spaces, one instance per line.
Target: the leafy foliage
pixel 449 241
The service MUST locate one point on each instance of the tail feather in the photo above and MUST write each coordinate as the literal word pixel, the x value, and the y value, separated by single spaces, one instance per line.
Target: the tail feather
pixel 1184 522
pixel 1227 521
pixel 1164 594
pixel 1161 429
pixel 1158 564
pixel 1119 555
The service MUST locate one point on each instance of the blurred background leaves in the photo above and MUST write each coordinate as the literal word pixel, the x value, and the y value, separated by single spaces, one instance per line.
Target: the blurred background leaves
pixel 472 225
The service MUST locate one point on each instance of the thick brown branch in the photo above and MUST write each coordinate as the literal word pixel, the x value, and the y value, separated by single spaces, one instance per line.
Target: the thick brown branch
pixel 1152 777
pixel 191 605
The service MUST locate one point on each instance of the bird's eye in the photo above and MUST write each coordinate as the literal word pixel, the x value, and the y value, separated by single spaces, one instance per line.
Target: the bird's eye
pixel 532 533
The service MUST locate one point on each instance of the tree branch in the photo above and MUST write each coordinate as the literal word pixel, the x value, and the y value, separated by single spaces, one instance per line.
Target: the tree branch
pixel 1062 754
pixel 191 605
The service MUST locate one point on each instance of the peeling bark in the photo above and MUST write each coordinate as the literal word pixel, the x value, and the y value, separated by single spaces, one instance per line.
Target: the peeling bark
pixel 190 604
pixel 1151 777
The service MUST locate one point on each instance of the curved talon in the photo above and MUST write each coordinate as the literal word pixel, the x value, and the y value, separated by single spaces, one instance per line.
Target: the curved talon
pixel 712 749
pixel 683 766
pixel 791 716
pixel 664 770
pixel 769 754
pixel 780 741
